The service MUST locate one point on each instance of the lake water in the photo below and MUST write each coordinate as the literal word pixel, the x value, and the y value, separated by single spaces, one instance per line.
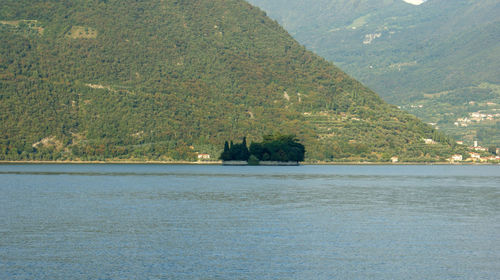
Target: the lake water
pixel 225 222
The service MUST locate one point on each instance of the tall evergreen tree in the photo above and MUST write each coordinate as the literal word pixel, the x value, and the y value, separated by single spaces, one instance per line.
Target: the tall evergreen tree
pixel 226 154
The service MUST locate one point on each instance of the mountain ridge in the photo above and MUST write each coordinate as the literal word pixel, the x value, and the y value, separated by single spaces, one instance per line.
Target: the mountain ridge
pixel 406 52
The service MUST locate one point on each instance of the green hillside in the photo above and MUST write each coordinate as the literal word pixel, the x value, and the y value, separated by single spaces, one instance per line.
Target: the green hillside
pixel 164 80
pixel 407 53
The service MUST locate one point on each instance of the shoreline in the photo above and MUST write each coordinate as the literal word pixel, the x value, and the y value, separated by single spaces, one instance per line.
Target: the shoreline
pixel 180 162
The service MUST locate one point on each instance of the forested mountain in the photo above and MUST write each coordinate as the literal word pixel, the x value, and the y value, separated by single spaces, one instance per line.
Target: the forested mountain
pixel 166 79
pixel 422 57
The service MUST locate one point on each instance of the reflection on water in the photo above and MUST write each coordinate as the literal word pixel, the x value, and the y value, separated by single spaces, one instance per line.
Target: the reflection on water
pixel 307 222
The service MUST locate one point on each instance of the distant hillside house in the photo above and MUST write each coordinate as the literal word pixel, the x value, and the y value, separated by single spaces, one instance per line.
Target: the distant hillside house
pixel 394 159
pixel 475 156
pixel 479 148
pixel 493 158
pixel 429 141
pixel 203 156
pixel 456 158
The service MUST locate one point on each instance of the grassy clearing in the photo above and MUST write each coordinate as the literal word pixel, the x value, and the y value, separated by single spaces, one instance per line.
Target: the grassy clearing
pixel 82 32
pixel 26 24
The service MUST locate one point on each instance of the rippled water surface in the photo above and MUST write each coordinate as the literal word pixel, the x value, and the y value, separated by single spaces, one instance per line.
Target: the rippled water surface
pixel 216 222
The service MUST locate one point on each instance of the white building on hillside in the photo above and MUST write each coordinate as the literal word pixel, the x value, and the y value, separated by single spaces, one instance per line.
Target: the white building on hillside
pixel 203 156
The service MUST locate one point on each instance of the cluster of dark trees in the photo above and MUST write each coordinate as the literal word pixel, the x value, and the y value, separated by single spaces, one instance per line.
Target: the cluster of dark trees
pixel 272 148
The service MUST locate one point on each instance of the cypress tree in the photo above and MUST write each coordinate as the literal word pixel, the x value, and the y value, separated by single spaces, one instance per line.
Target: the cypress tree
pixel 226 154
pixel 245 153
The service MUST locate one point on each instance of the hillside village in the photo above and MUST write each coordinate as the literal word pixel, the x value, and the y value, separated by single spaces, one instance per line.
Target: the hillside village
pixel 478 117
pixel 477 153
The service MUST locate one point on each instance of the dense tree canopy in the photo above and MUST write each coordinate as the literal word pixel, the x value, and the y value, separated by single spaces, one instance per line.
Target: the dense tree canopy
pixel 277 147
